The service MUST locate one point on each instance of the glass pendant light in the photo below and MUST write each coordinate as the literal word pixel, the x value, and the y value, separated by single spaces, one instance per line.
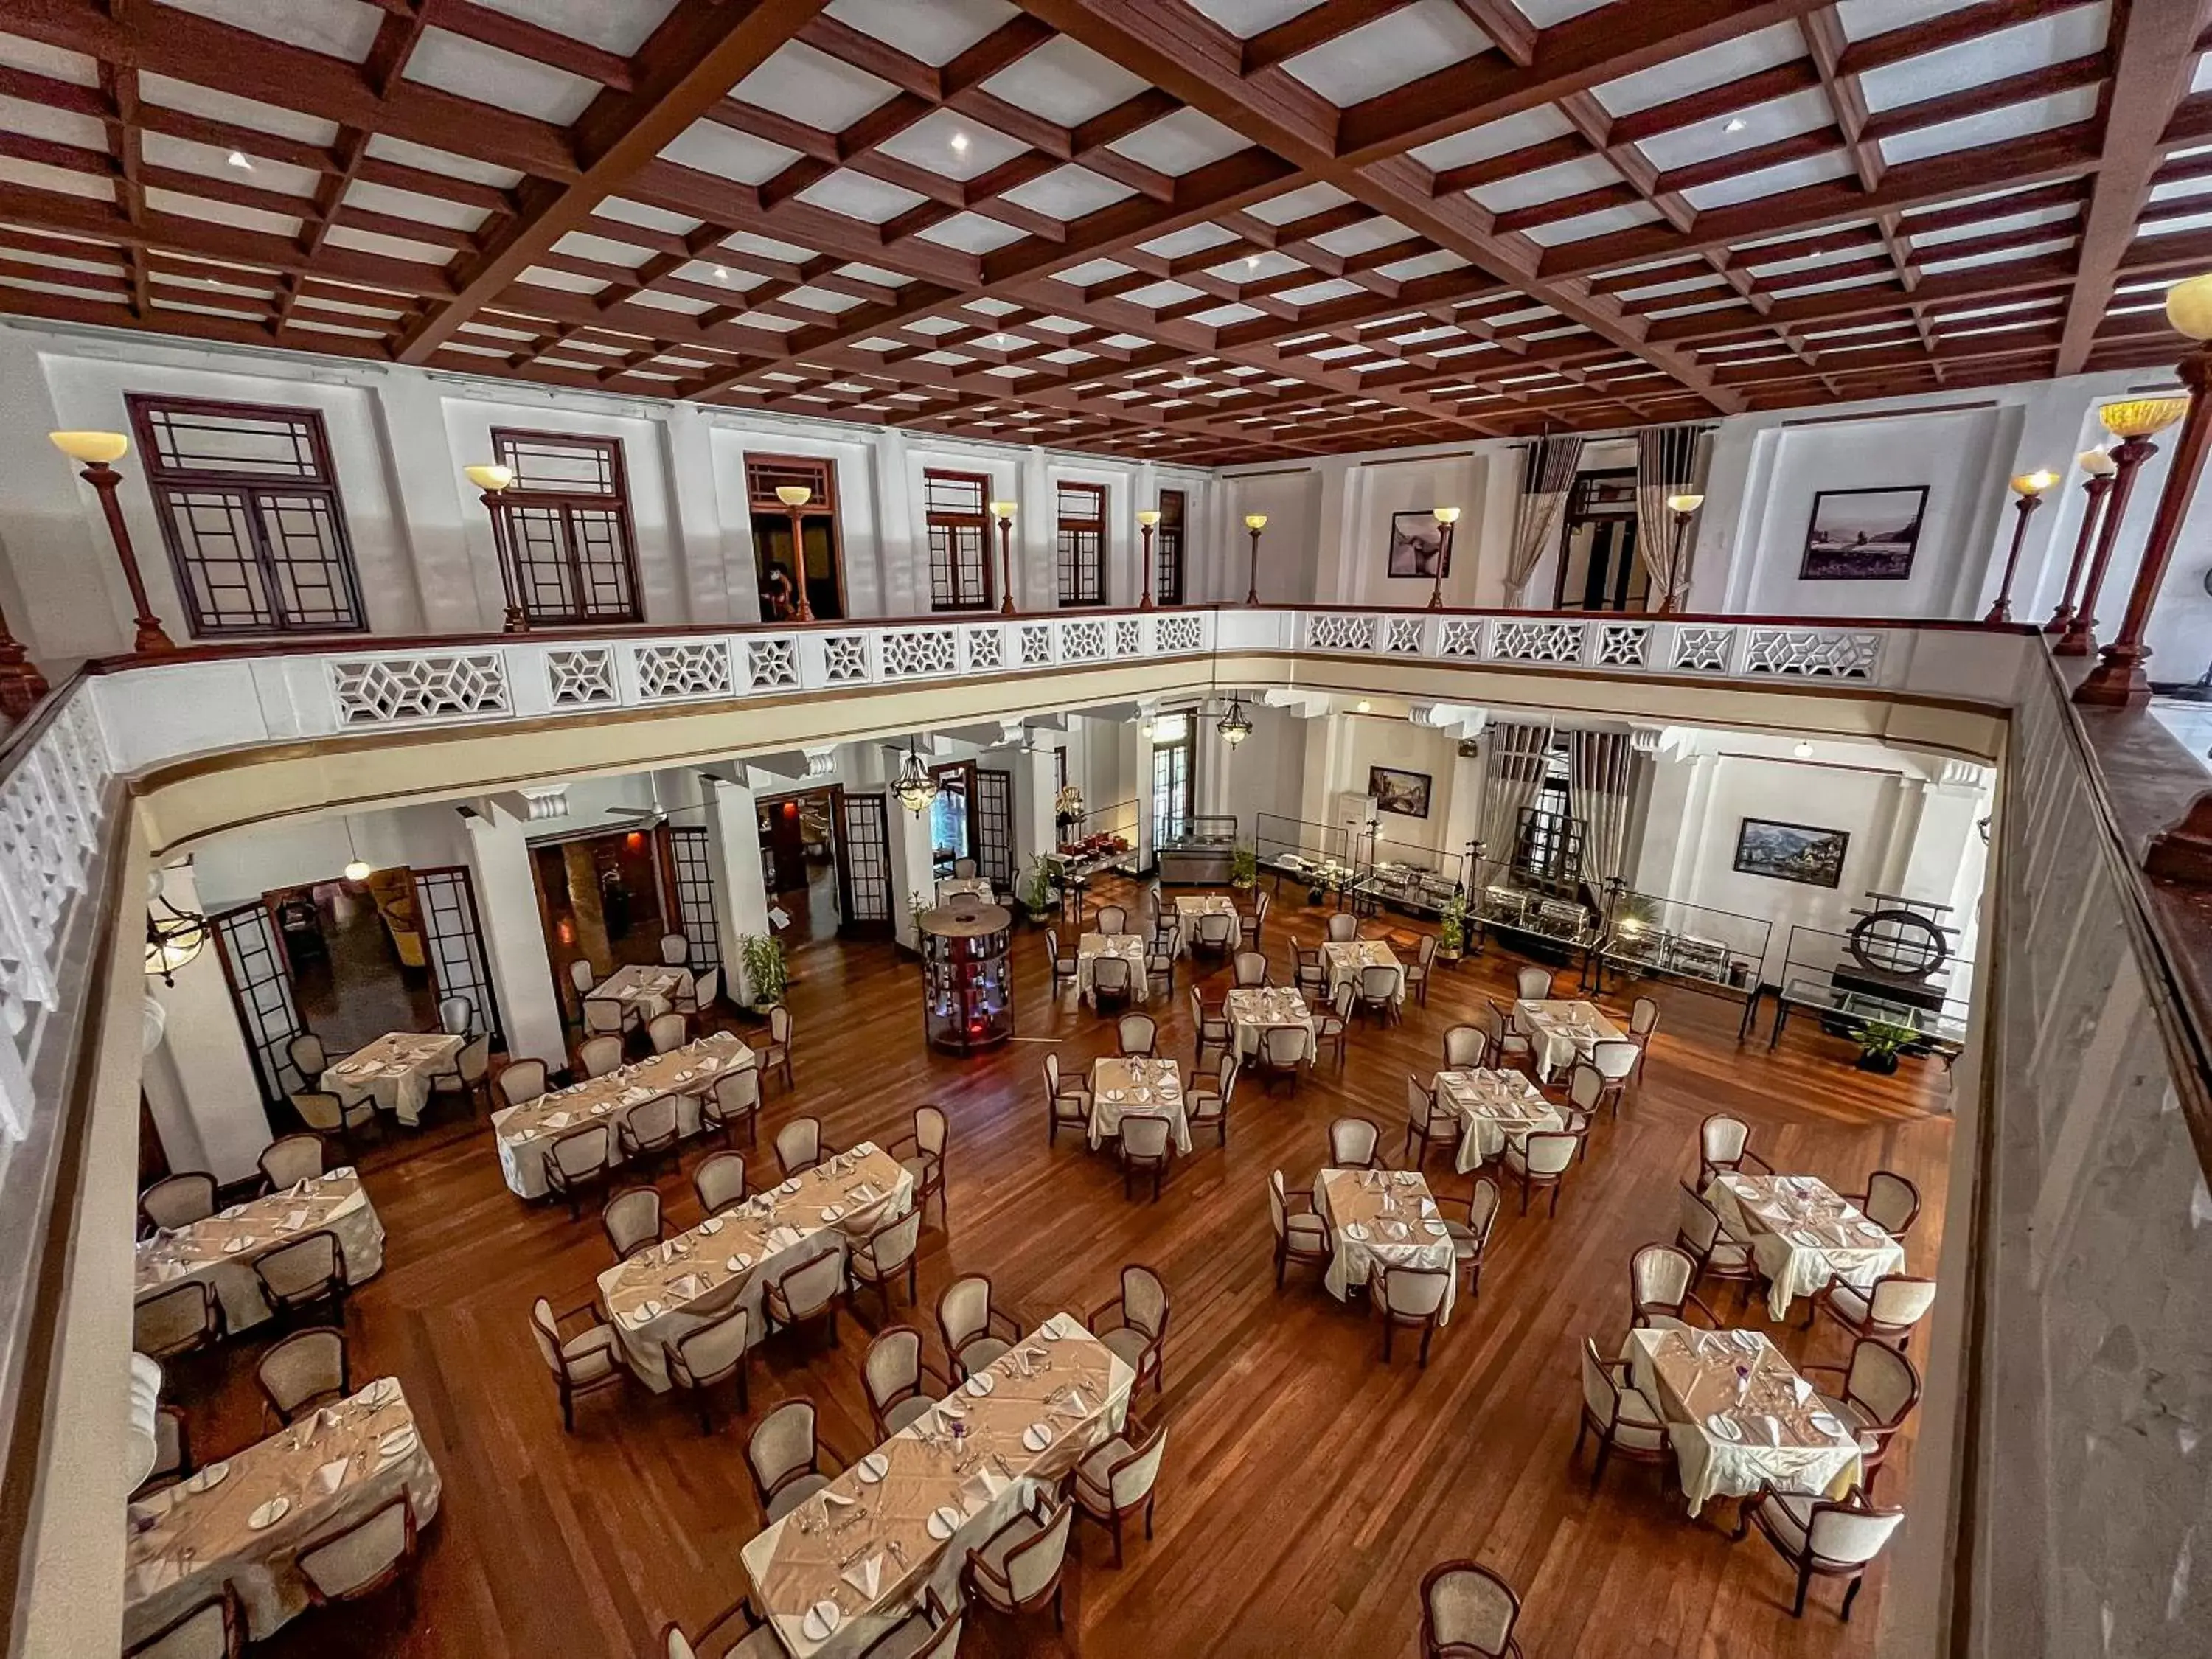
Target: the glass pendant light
pixel 915 787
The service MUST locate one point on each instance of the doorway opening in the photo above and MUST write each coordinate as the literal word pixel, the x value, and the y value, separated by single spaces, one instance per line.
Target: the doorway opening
pixel 799 855
pixel 600 898
pixel 1599 569
pixel 952 817
pixel 775 567
pixel 1173 753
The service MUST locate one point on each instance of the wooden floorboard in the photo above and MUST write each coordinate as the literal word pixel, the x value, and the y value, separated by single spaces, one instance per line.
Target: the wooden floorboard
pixel 1307 1487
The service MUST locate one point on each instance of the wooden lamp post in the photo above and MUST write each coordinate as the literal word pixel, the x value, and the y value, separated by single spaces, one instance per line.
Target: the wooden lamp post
pixel 1003 513
pixel 795 497
pixel 1446 517
pixel 2119 681
pixel 2100 467
pixel 2135 423
pixel 1254 522
pixel 2027 491
pixel 1684 508
pixel 22 684
pixel 494 481
pixel 1146 519
pixel 96 450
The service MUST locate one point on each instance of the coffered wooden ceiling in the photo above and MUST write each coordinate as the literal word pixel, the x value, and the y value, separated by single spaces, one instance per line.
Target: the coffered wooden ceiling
pixel 1204 230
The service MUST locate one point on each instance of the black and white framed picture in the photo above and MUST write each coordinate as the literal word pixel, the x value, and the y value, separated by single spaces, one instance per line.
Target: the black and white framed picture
pixel 1406 794
pixel 1863 535
pixel 1791 852
pixel 1417 545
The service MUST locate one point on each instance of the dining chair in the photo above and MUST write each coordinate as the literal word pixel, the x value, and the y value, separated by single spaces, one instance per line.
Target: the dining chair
pixel 1512 1049
pixel 1121 1479
pixel 1284 1049
pixel 964 869
pixel 1642 1023
pixel 172 1452
pixel 1343 927
pixel 717 1350
pixel 213 1627
pixel 1160 960
pixel 1333 1023
pixel 1614 1060
pixel 1660 1296
pixel 302 1371
pixel 1067 1104
pixel 1206 1099
pixel 178 1201
pixel 1217 934
pixel 1585 1095
pixel 1352 1144
pixel 1885 1310
pixel 632 1220
pixel 1145 1144
pixel 675 950
pixel 1616 1412
pixel 1249 924
pixel 1471 1238
pixel 1312 976
pixel 327 1114
pixel 774 1054
pixel 457 1015
pixel 1413 1299
pixel 1113 919
pixel 1723 1148
pixel 1467 1611
pixel 1138 1333
pixel 1464 1048
pixel 1428 1121
pixel 975 1333
pixel 1878 1389
pixel 357 1560
pixel 1890 1201
pixel 586 1363
pixel 1421 969
pixel 288 1160
pixel 1248 970
pixel 599 1054
pixel 1064 969
pixel 798 1146
pixel 1533 984
pixel 581 979
pixel 921 1155
pixel 1821 1537
pixel 305 1270
pixel 604 1017
pixel 1541 1160
pixel 1301 1235
pixel 178 1321
pixel 305 1050
pixel 1210 1028
pixel 720 1182
pixel 1018 1569
pixel 784 1456
pixel 578 1161
pixel 1137 1036
pixel 668 1032
pixel 1112 982
pixel 734 1103
pixel 758 1639
pixel 521 1082
pixel 649 1132
pixel 892 1376
pixel 1705 1238
pixel 807 1292
pixel 699 1005
pixel 1379 992
pixel 469 1075
pixel 893 1249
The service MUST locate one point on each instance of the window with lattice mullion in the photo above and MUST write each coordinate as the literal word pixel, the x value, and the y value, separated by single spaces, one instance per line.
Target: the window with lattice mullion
pixel 1082 524
pixel 568 530
pixel 956 506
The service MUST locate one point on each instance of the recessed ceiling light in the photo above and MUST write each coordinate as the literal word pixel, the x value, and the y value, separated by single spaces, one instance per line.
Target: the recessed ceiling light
pixel 237 159
pixel 1803 752
pixel 1736 124
pixel 721 273
pixel 1252 263
pixel 959 141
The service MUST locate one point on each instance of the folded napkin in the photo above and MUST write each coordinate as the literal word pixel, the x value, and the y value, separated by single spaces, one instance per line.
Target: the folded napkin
pixel 331 1475
pixel 865 1577
pixel 1073 1405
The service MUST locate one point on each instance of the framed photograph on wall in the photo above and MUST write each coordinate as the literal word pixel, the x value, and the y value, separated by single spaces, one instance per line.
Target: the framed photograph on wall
pixel 1417 546
pixel 1791 852
pixel 1406 794
pixel 1863 535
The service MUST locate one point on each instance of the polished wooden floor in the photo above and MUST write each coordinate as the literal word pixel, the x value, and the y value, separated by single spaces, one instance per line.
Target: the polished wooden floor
pixel 1307 1487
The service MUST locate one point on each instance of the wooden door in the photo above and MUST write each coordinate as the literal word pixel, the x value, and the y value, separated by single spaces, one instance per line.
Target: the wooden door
pixel 994 827
pixel 452 940
pixel 260 980
pixel 688 874
pixel 863 863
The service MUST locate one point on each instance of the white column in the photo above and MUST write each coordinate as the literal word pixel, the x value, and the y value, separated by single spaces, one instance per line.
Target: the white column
pixel 1035 831
pixel 1037 537
pixel 198 1078
pixel 1463 813
pixel 741 893
pixel 912 873
pixel 902 561
pixel 713 579
pixel 455 561
pixel 514 935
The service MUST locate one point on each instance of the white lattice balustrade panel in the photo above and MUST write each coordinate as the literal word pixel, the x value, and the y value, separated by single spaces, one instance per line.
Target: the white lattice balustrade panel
pixel 1082 642
pixel 1462 637
pixel 444 685
pixel 1402 637
pixel 908 652
pixel 1701 649
pixel 579 679
pixel 986 650
pixel 1623 645
pixel 846 657
pixel 693 668
pixel 1812 654
pixel 1335 632
pixel 1536 641
pixel 1037 645
pixel 771 665
pixel 1178 634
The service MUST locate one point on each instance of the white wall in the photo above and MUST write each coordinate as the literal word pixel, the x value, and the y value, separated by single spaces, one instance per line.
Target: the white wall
pixel 237 868
pixel 1378 740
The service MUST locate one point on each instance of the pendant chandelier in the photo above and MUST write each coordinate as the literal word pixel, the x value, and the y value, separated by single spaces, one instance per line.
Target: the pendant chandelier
pixel 1235 726
pixel 174 939
pixel 915 787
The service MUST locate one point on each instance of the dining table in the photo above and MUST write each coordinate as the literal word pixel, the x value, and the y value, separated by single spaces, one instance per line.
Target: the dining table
pixel 1803 1234
pixel 1562 1031
pixel 1252 1009
pixel 522 1132
pixel 394 1070
pixel 244 1520
pixel 1738 1416
pixel 1494 1107
pixel 645 990
pixel 1189 907
pixel 1137 1083
pixel 852 1561
pixel 1347 961
pixel 222 1249
pixel 1130 947
pixel 953 887
pixel 1380 1218
pixel 655 1296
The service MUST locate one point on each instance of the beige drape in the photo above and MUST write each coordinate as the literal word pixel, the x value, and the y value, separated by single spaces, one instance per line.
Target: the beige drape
pixel 1547 474
pixel 1666 465
pixel 1513 771
pixel 1601 766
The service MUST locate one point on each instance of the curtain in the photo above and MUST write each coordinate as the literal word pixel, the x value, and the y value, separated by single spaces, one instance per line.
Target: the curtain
pixel 1600 766
pixel 1666 465
pixel 1514 772
pixel 1547 474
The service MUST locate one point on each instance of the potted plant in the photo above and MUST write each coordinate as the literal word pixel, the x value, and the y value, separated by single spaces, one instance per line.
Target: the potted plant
pixel 1451 931
pixel 1035 891
pixel 1244 867
pixel 1880 1042
pixel 919 905
pixel 762 955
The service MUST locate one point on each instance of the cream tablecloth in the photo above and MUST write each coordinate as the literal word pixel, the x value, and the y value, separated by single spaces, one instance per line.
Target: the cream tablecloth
pixel 1252 1009
pixel 1189 907
pixel 222 1248
pixel 1382 1218
pixel 394 1070
pixel 523 1132
pixel 1564 1032
pixel 1738 1416
pixel 961 886
pixel 1346 960
pixel 1802 1235
pixel 650 989
pixel 329 1471
pixel 1493 1107
pixel 1130 947
pixel 651 1294
pixel 828 1548
pixel 1141 1085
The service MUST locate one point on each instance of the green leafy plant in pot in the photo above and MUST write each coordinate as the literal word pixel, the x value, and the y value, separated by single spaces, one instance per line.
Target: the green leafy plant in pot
pixel 766 978
pixel 1244 867
pixel 1036 890
pixel 1880 1042
pixel 1451 931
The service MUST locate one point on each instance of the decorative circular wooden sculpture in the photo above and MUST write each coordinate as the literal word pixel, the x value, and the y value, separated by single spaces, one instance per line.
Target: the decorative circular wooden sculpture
pixel 968 980
pixel 1902 944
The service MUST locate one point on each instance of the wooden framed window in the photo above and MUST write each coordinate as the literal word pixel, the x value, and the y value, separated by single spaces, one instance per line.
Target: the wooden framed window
pixel 956 506
pixel 248 500
pixel 569 528
pixel 777 565
pixel 1167 549
pixel 1081 543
